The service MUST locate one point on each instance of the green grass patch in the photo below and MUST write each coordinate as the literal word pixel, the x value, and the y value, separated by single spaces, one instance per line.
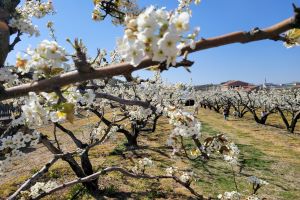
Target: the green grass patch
pixel 252 158
pixel 290 194
pixel 77 192
pixel 206 128
pixel 119 149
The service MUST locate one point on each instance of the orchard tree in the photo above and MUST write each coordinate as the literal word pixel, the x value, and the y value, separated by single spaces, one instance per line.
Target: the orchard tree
pixel 288 106
pixel 239 102
pixel 53 86
pixel 261 105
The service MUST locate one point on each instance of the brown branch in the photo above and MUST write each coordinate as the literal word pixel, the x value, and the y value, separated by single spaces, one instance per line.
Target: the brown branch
pixel 46 142
pixel 200 147
pixel 4 39
pixel 16 40
pixel 185 151
pixel 123 171
pixel 124 101
pixel 55 137
pixel 78 143
pixel 80 59
pixel 125 68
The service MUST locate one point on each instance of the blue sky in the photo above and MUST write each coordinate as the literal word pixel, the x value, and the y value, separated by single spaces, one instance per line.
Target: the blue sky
pixel 251 62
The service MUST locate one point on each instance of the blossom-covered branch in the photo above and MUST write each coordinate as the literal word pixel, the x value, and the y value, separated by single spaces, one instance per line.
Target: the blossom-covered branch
pixel 35 177
pixel 125 68
pixel 123 171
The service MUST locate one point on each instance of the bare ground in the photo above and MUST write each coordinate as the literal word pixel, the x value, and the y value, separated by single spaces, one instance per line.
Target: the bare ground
pixel 267 152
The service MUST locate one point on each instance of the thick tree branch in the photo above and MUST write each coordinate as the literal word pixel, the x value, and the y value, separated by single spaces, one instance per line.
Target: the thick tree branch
pixel 4 37
pixel 125 68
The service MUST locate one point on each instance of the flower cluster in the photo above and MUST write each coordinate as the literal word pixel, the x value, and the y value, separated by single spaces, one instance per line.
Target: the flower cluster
pixel 187 177
pixel 11 146
pixel 88 97
pixel 25 26
pixel 115 8
pixel 38 109
pixel 170 171
pixel 145 162
pixel 254 197
pixel 31 8
pixel 184 5
pixel 47 60
pixel 33 112
pixel 112 131
pixel 256 181
pixel 35 8
pixel 234 195
pixel 186 125
pixel 155 33
pixel 97 15
pixel 41 187
pixel 220 143
pixel 232 153
pixel 139 113
pixel 142 164
pixel 292 38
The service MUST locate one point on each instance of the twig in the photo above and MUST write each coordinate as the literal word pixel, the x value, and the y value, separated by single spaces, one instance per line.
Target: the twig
pixel 55 136
pixel 234 180
pixel 185 151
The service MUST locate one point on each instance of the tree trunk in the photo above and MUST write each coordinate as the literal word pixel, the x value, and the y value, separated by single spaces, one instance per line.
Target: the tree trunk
pixel 293 123
pixel 217 109
pixel 258 120
pixel 4 36
pixel 91 186
pixel 88 168
pixel 284 119
pixel 131 141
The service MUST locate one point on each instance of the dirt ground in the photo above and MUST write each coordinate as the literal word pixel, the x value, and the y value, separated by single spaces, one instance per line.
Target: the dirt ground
pixel 266 152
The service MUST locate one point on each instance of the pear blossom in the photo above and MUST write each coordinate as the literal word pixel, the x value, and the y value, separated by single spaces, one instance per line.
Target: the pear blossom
pixel 234 195
pixel 47 60
pixel 256 181
pixel 25 26
pixel 33 111
pixel 170 171
pixel 180 21
pixel 155 33
pixel 40 187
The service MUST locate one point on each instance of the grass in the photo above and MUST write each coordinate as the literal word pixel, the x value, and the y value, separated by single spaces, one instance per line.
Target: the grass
pixel 252 158
pixel 267 152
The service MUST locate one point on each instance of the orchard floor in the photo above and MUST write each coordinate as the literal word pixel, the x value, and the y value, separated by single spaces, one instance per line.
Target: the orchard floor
pixel 267 152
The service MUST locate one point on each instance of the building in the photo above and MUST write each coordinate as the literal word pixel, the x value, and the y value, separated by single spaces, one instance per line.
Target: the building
pixel 270 86
pixel 237 85
pixel 291 85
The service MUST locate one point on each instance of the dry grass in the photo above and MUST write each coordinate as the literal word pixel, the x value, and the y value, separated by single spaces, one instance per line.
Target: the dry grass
pixel 267 152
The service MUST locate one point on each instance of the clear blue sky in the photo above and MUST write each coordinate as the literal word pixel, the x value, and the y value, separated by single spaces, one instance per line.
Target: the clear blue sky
pixel 250 62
